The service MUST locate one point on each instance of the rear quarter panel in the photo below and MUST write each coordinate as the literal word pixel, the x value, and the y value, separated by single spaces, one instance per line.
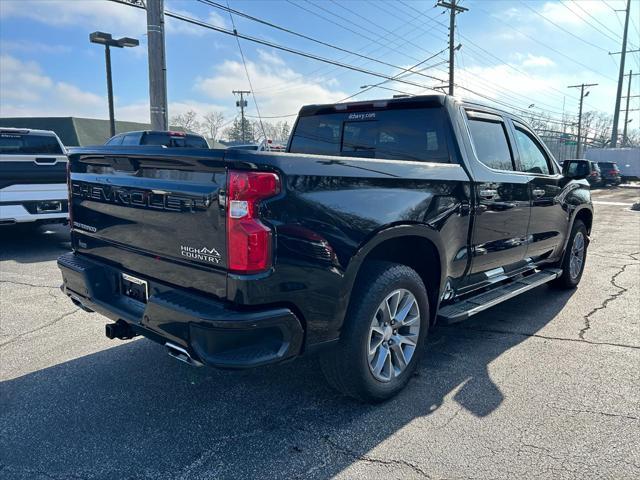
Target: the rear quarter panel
pixel 332 211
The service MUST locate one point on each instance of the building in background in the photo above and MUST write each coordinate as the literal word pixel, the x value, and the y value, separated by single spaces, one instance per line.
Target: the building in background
pixel 75 131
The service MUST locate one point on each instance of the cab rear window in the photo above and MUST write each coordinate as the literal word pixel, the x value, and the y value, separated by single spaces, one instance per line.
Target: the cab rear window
pixel 20 144
pixel 409 134
pixel 184 141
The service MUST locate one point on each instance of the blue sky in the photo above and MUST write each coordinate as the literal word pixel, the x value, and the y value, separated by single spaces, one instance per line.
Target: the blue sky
pixel 516 52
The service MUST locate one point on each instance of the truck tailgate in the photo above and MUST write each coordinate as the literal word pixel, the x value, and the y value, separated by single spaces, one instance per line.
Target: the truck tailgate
pixel 153 210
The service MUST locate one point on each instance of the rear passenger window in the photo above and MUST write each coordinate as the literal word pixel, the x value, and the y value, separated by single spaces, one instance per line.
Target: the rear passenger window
pixel 532 158
pixel 29 144
pixel 131 139
pixel 117 140
pixel 403 134
pixel 318 134
pixel 490 142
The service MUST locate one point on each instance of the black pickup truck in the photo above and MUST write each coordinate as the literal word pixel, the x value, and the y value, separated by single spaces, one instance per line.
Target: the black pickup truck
pixel 381 219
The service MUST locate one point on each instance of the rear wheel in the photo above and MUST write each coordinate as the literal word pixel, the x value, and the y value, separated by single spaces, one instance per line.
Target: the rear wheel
pixel 383 336
pixel 574 257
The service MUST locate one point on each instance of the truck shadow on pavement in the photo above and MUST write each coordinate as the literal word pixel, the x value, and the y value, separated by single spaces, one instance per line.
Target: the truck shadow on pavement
pixel 33 243
pixel 132 412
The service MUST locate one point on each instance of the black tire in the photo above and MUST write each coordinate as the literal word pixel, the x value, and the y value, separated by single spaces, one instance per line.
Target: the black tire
pixel 347 367
pixel 568 280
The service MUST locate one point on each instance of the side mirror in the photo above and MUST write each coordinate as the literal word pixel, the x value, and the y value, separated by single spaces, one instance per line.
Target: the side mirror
pixel 576 169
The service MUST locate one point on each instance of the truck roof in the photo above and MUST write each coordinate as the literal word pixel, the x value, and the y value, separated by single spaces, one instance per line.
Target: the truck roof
pixel 411 102
pixel 27 131
pixel 433 100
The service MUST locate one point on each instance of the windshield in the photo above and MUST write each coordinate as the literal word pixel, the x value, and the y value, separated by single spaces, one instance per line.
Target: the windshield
pixel 187 141
pixel 244 147
pixel 607 166
pixel 408 134
pixel 25 144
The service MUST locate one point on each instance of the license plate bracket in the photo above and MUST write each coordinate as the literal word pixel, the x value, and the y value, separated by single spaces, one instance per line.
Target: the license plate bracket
pixel 52 206
pixel 134 288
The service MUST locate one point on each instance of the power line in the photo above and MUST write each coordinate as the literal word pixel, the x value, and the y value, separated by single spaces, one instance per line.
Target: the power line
pixel 473 46
pixel 277 46
pixel 399 75
pixel 397 78
pixel 349 29
pixel 333 69
pixel 582 86
pixel 306 37
pixel 623 52
pixel 595 19
pixel 370 21
pixel 453 11
pixel 246 71
pixel 560 27
pixel 571 59
pixel 410 21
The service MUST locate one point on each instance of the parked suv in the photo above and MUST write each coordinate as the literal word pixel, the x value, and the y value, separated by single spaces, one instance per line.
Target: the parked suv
pixel 33 184
pixel 162 138
pixel 383 218
pixel 595 177
pixel 610 173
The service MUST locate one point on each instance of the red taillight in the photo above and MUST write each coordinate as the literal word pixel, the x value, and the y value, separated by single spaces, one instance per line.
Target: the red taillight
pixel 613 172
pixel 69 194
pixel 248 239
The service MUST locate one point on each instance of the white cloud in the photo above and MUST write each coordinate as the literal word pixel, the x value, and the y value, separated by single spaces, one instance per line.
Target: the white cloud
pixel 546 90
pixel 121 20
pixel 279 89
pixel 27 46
pixel 92 15
pixel 21 81
pixel 28 91
pixel 565 13
pixel 537 61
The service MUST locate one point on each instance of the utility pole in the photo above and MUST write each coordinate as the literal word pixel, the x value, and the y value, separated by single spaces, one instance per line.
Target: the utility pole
pixel 626 113
pixel 453 10
pixel 242 103
pixel 582 95
pixel 157 65
pixel 623 52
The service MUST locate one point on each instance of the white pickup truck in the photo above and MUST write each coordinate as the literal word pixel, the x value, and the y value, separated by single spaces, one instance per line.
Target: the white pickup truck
pixel 33 187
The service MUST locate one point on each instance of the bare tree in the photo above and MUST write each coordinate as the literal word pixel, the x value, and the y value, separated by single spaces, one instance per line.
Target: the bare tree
pixel 212 124
pixel 188 121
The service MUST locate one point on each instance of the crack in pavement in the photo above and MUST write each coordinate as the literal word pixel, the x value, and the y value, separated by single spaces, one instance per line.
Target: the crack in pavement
pixel 595 412
pixel 621 291
pixel 41 327
pixel 536 335
pixel 28 284
pixel 369 459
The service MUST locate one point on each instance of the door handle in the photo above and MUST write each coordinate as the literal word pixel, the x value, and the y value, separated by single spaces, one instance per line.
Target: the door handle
pixel 488 193
pixel 538 192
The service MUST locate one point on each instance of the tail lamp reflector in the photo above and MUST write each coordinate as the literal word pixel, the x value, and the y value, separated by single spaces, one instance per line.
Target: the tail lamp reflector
pixel 248 239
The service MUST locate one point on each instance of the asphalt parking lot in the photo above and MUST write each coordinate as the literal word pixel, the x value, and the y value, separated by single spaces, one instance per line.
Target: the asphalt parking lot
pixel 544 385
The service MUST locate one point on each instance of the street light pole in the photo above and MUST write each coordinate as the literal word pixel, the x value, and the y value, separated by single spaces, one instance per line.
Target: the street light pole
pixel 108 41
pixel 112 120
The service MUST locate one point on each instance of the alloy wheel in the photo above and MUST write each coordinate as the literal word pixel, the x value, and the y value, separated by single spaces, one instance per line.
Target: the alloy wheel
pixel 393 335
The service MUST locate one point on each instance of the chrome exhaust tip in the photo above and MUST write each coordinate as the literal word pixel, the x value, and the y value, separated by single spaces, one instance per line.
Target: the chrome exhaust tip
pixel 181 354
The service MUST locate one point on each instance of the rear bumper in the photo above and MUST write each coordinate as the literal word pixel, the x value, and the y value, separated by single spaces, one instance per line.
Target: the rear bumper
pixel 11 214
pixel 29 203
pixel 212 332
pixel 614 180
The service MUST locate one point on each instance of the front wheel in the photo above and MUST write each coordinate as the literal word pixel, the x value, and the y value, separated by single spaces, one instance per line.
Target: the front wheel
pixel 574 258
pixel 383 335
